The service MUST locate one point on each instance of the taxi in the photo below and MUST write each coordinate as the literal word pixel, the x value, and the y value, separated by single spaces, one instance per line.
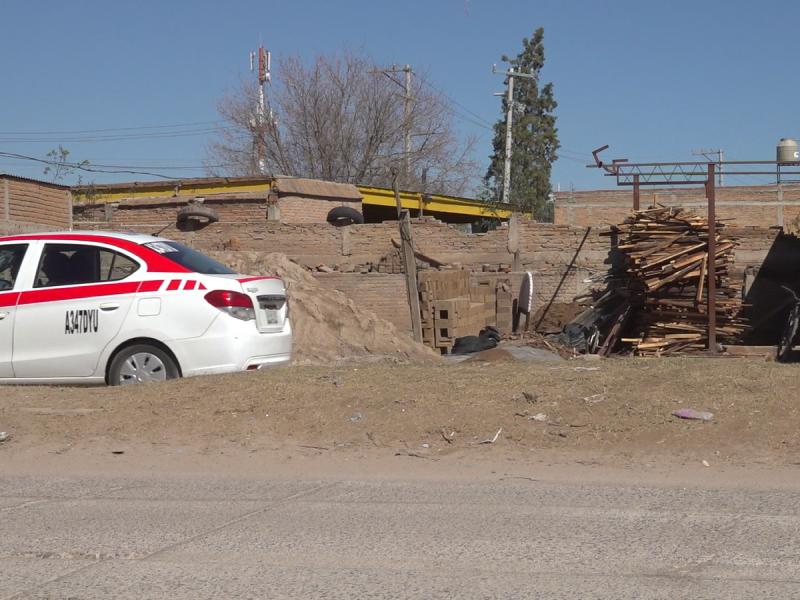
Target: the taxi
pixel 118 309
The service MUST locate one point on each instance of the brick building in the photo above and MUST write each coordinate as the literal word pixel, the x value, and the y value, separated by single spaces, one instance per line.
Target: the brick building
pixel 30 205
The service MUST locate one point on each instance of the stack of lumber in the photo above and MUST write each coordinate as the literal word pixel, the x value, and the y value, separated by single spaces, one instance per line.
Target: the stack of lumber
pixel 667 264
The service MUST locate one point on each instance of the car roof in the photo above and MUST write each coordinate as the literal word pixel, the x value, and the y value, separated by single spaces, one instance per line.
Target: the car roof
pixel 86 236
pixel 131 242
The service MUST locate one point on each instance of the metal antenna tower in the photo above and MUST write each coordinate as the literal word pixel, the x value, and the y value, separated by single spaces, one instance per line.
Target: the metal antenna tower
pixel 264 63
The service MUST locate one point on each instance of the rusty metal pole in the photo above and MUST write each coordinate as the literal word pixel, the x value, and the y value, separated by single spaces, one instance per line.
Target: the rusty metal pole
pixel 712 260
pixel 636 192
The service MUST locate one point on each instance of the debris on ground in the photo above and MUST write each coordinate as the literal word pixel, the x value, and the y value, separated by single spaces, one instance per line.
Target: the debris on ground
pixel 533 339
pixel 493 355
pixel 494 439
pixel 697 415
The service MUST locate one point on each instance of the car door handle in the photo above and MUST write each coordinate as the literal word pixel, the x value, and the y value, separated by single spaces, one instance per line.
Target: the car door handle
pixel 108 306
pixel 3 316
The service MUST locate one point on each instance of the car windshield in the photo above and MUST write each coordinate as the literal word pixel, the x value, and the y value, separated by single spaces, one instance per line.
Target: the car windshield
pixel 191 259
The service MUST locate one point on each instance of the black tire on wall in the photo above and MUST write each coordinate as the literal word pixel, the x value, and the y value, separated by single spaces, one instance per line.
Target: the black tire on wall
pixel 344 215
pixel 204 214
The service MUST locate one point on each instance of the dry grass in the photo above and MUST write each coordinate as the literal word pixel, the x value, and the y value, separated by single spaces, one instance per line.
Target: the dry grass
pixel 619 411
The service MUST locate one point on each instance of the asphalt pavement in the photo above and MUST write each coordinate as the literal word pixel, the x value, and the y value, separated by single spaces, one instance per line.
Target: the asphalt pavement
pixel 99 538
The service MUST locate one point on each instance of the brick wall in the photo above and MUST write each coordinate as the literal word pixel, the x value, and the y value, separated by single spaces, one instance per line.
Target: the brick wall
pixel 764 206
pixel 306 210
pixel 382 293
pixel 162 211
pixel 33 206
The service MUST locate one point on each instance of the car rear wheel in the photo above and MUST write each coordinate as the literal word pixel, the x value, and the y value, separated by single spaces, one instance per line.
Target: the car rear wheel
pixel 141 363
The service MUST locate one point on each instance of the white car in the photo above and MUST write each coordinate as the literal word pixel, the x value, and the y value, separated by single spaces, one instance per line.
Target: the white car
pixel 94 308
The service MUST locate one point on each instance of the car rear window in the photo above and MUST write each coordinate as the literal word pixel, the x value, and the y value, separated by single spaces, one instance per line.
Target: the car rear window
pixel 188 258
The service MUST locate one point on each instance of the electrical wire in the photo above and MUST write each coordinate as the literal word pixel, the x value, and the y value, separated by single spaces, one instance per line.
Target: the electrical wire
pixel 729 170
pixel 115 129
pixel 437 90
pixel 110 138
pixel 87 168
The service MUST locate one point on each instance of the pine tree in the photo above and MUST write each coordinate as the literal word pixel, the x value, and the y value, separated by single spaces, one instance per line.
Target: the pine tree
pixel 533 134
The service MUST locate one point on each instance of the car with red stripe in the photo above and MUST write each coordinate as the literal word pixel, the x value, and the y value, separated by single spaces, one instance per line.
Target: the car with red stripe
pixel 118 308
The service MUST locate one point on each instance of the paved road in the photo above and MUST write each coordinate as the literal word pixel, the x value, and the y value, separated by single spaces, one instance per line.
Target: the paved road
pixel 101 538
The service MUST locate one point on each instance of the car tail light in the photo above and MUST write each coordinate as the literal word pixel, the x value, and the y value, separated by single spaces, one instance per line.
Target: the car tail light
pixel 236 304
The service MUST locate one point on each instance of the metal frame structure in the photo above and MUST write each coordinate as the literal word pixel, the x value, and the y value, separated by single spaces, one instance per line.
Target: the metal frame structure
pixel 679 174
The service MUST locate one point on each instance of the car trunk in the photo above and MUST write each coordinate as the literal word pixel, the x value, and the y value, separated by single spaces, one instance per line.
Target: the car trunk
pixel 269 300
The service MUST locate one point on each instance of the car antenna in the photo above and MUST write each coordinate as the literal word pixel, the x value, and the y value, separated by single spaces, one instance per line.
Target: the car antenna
pixel 157 233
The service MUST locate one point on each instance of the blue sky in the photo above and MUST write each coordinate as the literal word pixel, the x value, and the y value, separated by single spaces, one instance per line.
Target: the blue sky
pixel 654 80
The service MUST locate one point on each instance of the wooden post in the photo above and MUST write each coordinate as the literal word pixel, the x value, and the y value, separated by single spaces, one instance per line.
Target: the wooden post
pixel 513 241
pixel 409 263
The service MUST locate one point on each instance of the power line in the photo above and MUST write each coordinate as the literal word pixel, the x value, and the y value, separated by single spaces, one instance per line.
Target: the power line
pixel 109 138
pixel 434 88
pixel 83 167
pixel 107 130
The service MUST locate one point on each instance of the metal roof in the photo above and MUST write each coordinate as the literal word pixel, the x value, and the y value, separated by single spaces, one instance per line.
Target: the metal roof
pixel 36 181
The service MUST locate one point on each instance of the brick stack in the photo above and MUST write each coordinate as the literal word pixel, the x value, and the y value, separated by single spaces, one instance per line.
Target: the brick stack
pixel 438 286
pixel 451 307
pixel 504 311
pixel 485 292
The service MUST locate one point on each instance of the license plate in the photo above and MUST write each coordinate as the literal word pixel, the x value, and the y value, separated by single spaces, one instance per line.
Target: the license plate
pixel 271 305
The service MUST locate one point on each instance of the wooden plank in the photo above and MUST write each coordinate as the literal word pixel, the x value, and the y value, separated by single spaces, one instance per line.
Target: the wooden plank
pixel 702 279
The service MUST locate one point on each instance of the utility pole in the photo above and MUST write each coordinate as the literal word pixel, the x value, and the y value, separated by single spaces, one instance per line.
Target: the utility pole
pixel 407 87
pixel 706 153
pixel 264 61
pixel 511 73
pixel 407 126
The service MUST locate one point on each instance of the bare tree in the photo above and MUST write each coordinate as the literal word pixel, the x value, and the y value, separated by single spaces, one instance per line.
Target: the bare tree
pixel 344 119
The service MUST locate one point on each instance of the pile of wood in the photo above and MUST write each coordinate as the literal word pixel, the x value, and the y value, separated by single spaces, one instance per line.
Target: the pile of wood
pixel 667 264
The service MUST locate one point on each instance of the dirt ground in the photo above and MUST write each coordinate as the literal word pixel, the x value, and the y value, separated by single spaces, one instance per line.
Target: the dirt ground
pixel 551 318
pixel 609 413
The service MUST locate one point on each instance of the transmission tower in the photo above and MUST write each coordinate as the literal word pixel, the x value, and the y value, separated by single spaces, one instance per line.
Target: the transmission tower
pixel 264 60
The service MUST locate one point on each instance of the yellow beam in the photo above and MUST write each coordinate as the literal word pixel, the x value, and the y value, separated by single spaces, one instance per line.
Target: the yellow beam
pixel 118 192
pixel 372 195
pixel 431 203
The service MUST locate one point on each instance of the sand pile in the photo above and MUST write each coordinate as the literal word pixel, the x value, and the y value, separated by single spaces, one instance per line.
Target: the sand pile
pixel 328 326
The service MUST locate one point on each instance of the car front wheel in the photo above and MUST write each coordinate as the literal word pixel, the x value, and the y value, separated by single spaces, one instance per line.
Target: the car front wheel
pixel 140 364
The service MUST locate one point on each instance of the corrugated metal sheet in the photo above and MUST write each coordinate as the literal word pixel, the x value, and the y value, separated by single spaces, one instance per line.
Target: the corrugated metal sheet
pixel 37 181
pixel 310 188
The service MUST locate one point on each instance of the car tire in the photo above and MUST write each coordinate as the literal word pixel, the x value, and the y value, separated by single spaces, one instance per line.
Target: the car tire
pixel 203 214
pixel 344 215
pixel 141 363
